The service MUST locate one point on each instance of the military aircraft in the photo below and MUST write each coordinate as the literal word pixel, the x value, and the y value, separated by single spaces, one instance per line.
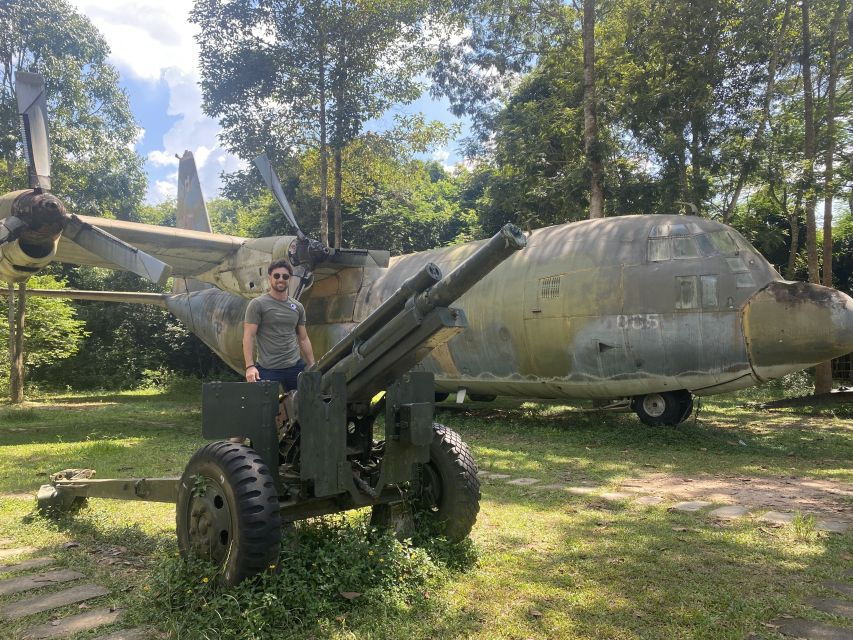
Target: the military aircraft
pixel 638 312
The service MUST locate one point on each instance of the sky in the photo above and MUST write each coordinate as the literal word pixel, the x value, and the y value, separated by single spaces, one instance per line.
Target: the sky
pixel 152 46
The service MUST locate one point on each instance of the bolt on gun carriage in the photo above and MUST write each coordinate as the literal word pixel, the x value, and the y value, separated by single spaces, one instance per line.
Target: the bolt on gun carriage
pixel 313 451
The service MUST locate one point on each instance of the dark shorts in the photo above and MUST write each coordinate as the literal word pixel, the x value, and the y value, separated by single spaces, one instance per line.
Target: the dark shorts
pixel 286 377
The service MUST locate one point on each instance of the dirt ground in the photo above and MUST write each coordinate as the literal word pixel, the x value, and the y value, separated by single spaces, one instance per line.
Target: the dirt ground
pixel 821 497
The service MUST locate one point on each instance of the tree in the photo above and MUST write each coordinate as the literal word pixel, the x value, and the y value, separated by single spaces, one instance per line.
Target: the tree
pixel 92 131
pixel 286 76
pixel 52 332
pixel 823 372
pixel 590 123
pixel 485 46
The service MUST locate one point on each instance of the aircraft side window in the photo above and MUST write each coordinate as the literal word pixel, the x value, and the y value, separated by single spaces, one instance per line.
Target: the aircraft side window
pixel 709 291
pixel 659 249
pixel 688 290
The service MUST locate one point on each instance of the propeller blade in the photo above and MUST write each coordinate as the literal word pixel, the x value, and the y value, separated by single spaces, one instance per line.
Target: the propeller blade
pixel 8 227
pixel 32 107
pixel 116 251
pixel 262 162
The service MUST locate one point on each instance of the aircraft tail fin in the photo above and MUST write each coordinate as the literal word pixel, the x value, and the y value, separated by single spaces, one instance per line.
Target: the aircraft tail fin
pixel 191 213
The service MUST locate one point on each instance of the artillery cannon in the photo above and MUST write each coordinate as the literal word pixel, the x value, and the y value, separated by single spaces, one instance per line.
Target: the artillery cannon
pixel 313 451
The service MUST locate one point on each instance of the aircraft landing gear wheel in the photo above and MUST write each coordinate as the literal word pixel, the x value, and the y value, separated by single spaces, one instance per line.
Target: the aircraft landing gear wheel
pixel 447 489
pixel 667 408
pixel 228 511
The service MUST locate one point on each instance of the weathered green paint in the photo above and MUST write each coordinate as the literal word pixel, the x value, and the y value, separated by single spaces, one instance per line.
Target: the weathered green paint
pixel 595 309
pixel 242 410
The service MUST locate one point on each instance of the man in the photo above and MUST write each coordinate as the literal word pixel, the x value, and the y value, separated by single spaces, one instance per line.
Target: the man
pixel 275 323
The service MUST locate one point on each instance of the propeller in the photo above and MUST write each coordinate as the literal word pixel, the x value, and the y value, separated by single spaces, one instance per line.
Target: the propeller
pixel 262 162
pixel 32 107
pixel 306 252
pixel 42 215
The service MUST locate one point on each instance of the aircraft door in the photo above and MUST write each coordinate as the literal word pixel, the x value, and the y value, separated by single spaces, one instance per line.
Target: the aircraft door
pixel 547 329
pixel 571 327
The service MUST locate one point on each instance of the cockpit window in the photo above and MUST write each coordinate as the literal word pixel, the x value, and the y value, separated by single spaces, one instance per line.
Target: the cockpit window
pixel 659 250
pixel 723 243
pixel 684 247
pixel 687 241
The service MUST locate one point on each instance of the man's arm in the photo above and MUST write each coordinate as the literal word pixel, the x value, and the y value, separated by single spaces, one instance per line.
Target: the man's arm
pixel 304 345
pixel 249 332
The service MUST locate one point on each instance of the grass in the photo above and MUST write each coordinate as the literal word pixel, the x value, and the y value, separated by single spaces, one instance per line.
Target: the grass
pixel 549 565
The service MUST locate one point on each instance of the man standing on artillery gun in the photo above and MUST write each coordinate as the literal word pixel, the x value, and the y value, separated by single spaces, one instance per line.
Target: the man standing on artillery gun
pixel 275 322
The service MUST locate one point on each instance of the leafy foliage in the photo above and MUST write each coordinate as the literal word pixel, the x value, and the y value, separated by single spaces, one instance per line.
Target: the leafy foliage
pixel 329 568
pixel 92 131
pixel 52 330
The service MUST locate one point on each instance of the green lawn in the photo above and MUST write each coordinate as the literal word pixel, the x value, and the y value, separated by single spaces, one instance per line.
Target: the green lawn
pixel 550 564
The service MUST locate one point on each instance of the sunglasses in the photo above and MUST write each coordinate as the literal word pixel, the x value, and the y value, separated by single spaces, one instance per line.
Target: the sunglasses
pixel 284 276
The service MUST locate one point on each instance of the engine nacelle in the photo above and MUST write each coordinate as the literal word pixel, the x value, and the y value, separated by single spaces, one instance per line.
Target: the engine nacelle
pixel 40 220
pixel 19 259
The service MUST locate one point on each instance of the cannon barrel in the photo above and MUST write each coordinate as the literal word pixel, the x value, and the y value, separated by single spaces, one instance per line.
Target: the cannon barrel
pixel 421 281
pixel 405 332
pixel 477 266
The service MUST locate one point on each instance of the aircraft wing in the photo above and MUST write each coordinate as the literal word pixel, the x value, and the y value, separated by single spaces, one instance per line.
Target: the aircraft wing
pixel 189 253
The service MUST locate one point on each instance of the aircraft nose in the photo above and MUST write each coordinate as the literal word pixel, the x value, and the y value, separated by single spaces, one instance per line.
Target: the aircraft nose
pixel 789 326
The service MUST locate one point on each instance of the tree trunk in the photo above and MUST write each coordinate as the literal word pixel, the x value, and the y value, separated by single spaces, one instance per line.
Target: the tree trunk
pixel 695 166
pixel 746 166
pixel 339 180
pixel 10 304
pixel 809 149
pixel 823 372
pixel 17 317
pixel 324 155
pixel 590 122
pixel 340 115
pixel 794 223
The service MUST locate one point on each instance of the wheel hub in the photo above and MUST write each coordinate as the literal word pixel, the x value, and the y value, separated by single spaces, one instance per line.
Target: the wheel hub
pixel 429 488
pixel 654 405
pixel 210 522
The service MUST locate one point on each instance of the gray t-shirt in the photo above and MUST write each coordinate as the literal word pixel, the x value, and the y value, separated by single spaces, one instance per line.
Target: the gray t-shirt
pixel 277 321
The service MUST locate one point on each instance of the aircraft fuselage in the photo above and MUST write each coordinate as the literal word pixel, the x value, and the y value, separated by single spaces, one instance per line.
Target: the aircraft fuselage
pixel 595 309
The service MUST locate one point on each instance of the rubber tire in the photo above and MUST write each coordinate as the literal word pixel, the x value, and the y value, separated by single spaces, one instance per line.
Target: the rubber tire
pixel 441 396
pixel 451 461
pixel 252 499
pixel 678 407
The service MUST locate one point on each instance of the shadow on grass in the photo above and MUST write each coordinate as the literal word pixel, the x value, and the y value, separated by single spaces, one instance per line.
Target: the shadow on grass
pixel 601 448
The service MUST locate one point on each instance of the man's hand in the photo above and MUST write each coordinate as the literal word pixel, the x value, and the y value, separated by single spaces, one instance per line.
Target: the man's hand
pixel 252 374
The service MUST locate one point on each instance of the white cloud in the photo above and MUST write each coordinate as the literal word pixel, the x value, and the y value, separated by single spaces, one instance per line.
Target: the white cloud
pixel 153 40
pixel 440 155
pixel 161 159
pixel 165 189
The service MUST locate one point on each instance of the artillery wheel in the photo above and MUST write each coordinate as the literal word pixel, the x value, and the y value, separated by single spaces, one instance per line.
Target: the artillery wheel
pixel 667 408
pixel 228 511
pixel 447 489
